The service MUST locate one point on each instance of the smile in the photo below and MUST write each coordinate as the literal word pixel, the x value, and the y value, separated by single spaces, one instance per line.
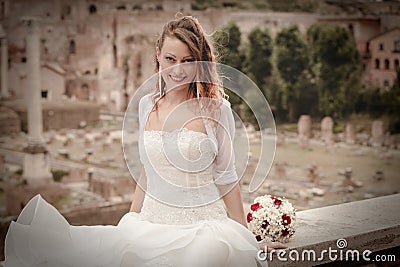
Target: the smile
pixel 177 79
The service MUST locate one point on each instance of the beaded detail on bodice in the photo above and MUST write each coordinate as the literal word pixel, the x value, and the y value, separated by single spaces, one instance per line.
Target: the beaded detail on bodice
pixel 178 166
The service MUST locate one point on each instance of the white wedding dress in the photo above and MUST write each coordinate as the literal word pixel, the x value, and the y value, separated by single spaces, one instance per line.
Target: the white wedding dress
pixel 162 234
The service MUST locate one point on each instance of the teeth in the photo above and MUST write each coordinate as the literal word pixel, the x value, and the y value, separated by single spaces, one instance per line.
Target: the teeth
pixel 177 79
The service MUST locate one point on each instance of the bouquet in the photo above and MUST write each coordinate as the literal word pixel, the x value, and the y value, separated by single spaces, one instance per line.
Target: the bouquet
pixel 272 217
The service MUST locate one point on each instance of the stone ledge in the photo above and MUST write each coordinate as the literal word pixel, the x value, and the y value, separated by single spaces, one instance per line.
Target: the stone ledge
pixel 372 224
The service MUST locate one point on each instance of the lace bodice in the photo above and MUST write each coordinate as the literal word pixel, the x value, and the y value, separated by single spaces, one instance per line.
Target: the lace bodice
pixel 180 186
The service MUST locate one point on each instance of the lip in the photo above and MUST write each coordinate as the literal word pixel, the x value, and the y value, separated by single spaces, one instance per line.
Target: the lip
pixel 177 79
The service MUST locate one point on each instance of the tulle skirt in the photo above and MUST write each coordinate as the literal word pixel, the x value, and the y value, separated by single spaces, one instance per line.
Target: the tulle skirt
pixel 42 237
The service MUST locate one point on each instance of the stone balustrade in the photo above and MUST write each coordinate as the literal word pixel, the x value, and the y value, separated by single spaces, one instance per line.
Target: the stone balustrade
pixel 363 226
pixel 344 229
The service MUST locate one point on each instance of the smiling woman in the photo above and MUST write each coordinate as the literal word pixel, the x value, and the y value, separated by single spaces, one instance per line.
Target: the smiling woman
pixel 183 41
pixel 177 217
pixel 172 55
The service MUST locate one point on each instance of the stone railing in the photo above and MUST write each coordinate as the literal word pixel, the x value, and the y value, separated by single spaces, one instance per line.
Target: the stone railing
pixel 361 227
pixel 367 228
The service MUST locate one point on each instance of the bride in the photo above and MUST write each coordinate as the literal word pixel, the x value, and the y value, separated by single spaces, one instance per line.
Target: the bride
pixel 177 217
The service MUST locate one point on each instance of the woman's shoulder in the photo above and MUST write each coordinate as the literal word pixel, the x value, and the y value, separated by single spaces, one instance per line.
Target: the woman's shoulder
pixel 222 113
pixel 145 104
pixel 218 104
pixel 225 107
pixel 226 103
pixel 146 99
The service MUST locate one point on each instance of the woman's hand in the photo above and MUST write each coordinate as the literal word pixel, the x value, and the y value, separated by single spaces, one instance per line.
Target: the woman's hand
pixel 271 246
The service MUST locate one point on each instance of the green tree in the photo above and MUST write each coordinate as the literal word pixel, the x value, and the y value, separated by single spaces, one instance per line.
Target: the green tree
pixel 258 61
pixel 336 64
pixel 292 63
pixel 371 101
pixel 227 43
pixel 205 4
pixel 307 96
pixel 392 98
pixel 257 66
pixel 274 93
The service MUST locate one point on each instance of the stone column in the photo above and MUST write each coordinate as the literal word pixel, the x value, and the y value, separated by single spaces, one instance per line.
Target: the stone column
pixel 327 130
pixel 4 65
pixel 37 160
pixel 304 130
pixel 377 133
pixel 350 135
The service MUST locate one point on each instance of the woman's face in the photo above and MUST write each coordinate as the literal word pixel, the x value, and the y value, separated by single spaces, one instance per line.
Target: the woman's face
pixel 171 58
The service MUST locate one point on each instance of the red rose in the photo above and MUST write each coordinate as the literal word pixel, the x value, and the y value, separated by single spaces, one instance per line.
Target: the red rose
pixel 264 224
pixel 285 232
pixel 286 219
pixel 255 206
pixel 249 217
pixel 277 202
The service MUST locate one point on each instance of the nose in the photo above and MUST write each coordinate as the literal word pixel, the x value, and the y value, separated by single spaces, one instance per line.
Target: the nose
pixel 178 68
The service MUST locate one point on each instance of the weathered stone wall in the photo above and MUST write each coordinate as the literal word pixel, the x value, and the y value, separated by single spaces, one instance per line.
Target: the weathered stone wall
pixel 17 196
pixel 59 115
pixel 106 215
pixel 111 187
pixel 9 121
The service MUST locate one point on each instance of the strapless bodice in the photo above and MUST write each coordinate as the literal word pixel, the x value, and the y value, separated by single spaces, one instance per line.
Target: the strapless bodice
pixel 180 186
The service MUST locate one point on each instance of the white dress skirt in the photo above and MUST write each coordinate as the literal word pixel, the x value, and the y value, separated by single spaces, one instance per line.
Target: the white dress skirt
pixel 162 234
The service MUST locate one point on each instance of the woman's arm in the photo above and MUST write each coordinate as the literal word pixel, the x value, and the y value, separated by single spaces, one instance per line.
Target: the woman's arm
pixel 225 173
pixel 233 202
pixel 234 206
pixel 139 194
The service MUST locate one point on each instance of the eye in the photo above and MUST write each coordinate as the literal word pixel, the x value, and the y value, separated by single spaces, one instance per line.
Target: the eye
pixel 189 60
pixel 171 59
